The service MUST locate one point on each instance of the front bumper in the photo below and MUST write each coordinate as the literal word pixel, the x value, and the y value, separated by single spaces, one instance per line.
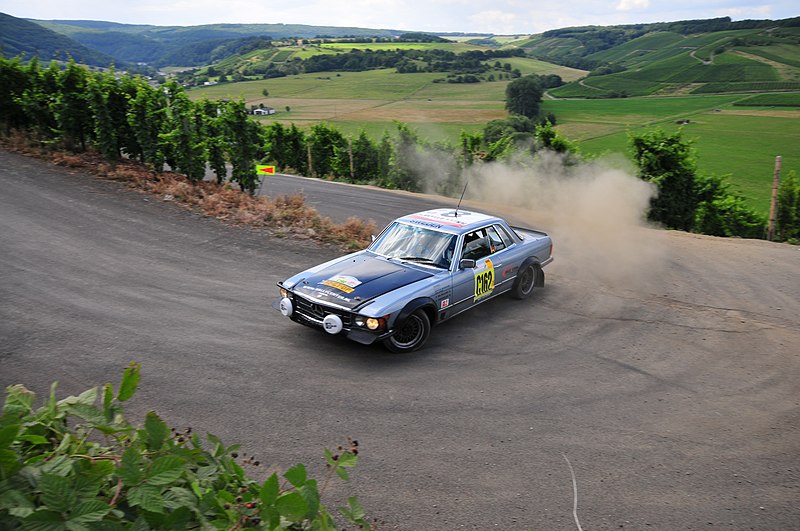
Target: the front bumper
pixel 316 314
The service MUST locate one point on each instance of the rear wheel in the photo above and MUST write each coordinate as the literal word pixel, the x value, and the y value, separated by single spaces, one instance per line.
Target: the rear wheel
pixel 526 280
pixel 411 334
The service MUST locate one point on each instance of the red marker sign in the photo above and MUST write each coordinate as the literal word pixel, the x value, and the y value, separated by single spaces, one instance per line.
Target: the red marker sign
pixel 265 169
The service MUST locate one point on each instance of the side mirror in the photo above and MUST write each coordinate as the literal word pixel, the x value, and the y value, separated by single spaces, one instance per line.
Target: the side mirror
pixel 466 263
pixel 373 237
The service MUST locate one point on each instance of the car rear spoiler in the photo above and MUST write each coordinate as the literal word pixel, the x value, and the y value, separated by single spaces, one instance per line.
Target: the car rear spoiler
pixel 520 231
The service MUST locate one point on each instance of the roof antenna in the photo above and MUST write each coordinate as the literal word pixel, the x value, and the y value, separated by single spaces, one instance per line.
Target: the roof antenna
pixel 462 197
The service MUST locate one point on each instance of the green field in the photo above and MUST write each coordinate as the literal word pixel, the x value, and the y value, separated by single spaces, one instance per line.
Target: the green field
pixel 741 142
pixel 730 140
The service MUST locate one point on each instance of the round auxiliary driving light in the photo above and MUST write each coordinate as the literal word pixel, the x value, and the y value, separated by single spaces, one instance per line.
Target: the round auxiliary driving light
pixel 286 307
pixel 332 324
pixel 373 323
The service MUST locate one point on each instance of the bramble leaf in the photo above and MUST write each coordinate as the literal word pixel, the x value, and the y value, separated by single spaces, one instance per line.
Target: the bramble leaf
pixel 292 506
pixel 57 492
pixel 348 459
pixel 130 382
pixel 156 431
pixel 130 468
pixel 311 495
pixel 89 413
pixel 296 475
pixel 354 511
pixel 87 398
pixel 165 470
pixel 33 439
pixel 9 463
pixel 44 520
pixel 8 434
pixel 269 491
pixel 148 497
pixel 90 511
pixel 108 401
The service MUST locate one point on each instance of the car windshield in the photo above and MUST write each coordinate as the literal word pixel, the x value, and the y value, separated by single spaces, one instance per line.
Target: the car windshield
pixel 415 244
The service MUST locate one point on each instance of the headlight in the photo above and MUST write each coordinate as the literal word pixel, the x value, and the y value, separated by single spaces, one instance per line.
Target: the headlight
pixel 284 292
pixel 372 323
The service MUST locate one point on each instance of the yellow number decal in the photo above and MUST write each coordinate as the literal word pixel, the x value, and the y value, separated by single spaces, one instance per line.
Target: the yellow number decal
pixel 484 280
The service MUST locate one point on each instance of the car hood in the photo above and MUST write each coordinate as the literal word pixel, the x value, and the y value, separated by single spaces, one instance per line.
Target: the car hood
pixel 358 279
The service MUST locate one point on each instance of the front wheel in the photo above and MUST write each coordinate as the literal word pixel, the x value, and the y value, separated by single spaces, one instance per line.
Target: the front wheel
pixel 526 280
pixel 411 334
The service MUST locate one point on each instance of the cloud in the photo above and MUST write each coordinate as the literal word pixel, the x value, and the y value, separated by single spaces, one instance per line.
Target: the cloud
pixel 493 21
pixel 633 5
pixel 502 17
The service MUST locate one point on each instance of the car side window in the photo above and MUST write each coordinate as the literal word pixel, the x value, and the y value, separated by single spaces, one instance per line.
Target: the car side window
pixel 476 245
pixel 496 241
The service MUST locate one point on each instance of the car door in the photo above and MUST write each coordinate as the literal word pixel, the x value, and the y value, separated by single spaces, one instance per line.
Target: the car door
pixel 473 285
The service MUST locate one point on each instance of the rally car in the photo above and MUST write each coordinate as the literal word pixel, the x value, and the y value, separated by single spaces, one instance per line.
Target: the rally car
pixel 422 269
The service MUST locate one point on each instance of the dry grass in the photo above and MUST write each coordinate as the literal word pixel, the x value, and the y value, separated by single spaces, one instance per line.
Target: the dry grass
pixel 281 216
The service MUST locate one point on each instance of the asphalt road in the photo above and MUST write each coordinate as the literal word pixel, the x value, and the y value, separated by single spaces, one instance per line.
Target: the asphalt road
pixel 674 400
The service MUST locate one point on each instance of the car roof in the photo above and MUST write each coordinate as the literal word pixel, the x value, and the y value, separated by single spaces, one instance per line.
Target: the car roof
pixel 449 219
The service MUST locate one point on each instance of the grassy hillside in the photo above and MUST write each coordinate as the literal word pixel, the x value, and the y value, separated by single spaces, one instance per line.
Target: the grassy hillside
pixel 256 63
pixel 669 63
pixel 152 44
pixel 22 37
pixel 735 135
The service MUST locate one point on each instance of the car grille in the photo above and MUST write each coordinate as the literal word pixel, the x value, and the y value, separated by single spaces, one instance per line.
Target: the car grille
pixel 315 312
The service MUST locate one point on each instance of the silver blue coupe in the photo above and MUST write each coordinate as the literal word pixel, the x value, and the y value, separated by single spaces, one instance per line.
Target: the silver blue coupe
pixel 422 269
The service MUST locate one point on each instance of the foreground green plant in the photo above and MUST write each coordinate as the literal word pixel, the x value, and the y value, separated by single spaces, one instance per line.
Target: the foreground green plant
pixel 78 464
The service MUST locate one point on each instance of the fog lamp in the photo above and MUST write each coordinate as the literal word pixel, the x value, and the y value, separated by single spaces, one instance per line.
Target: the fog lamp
pixel 373 323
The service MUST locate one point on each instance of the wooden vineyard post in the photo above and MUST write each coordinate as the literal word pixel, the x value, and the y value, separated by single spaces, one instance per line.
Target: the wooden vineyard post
pixel 773 206
pixel 350 152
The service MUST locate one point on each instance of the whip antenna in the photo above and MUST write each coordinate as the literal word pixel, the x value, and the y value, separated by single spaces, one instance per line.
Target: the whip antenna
pixel 462 196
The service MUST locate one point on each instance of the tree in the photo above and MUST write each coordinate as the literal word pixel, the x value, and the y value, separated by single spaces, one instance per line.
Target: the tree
pixel 523 96
pixel 265 93
pixel 286 147
pixel 146 118
pixel 548 138
pixel 721 212
pixel 213 130
pixel 70 106
pixel 14 81
pixel 105 134
pixel 244 145
pixel 327 145
pixel 182 141
pixel 403 173
pixel 366 163
pixel 788 213
pixel 498 128
pixel 668 161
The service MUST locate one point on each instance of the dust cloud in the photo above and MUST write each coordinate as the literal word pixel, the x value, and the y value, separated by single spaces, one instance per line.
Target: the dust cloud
pixel 594 211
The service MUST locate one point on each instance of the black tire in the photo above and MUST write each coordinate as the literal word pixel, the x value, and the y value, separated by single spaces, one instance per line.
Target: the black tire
pixel 525 282
pixel 411 334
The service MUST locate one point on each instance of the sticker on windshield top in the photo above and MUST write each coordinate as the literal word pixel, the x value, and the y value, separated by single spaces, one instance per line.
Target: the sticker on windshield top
pixel 344 283
pixel 484 279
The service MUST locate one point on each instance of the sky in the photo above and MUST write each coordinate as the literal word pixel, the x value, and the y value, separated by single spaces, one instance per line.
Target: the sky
pixel 500 17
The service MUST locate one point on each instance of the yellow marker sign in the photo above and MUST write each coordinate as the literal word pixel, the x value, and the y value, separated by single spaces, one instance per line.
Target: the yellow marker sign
pixel 265 169
pixel 484 280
